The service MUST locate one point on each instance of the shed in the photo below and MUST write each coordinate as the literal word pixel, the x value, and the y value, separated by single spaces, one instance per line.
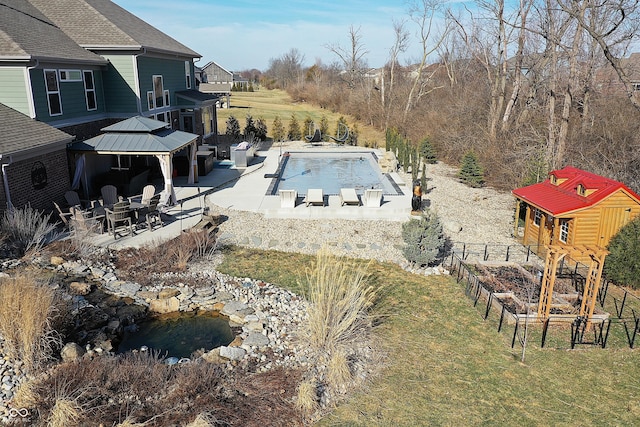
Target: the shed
pixel 141 136
pixel 574 207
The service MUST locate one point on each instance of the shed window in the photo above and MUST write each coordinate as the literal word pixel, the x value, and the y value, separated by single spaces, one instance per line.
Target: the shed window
pixel 581 190
pixel 553 179
pixel 53 92
pixel 537 216
pixel 564 230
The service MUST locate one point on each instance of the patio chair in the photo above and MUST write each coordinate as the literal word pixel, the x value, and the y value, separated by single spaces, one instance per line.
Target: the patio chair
pixel 84 222
pixel 64 216
pixel 73 199
pixel 372 197
pixel 147 193
pixel 151 213
pixel 288 198
pixel 109 195
pixel 348 196
pixel 315 196
pixel 314 139
pixel 119 217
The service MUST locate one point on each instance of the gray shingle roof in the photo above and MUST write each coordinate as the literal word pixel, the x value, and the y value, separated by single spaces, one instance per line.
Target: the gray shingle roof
pixel 196 95
pixel 215 87
pixel 27 34
pixel 96 24
pixel 21 133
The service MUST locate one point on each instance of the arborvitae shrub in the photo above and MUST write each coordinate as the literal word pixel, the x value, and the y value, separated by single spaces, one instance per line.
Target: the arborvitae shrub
pixel 278 129
pixel 250 127
pixel 261 129
pixel 622 265
pixel 233 127
pixel 470 171
pixel 324 127
pixel 423 238
pixel 308 126
pixel 294 133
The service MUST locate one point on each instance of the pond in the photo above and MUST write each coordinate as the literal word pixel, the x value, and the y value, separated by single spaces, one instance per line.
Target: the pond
pixel 178 334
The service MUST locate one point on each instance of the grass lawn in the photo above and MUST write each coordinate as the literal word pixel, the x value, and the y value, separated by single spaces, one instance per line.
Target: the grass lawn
pixel 271 103
pixel 446 366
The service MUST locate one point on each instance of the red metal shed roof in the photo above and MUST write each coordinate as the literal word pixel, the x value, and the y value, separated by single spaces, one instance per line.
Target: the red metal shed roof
pixel 563 197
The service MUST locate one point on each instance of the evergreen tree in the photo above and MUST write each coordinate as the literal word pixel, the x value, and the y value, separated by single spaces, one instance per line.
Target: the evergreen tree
pixel 324 127
pixel 427 152
pixel 470 172
pixel 233 128
pixel 423 178
pixel 278 129
pixel 423 238
pixel 250 87
pixel 250 127
pixel 294 133
pixel 353 135
pixel 415 162
pixel 261 129
pixel 622 265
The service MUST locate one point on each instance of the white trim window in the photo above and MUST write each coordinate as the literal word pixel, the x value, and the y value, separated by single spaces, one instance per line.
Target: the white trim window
pixel 537 216
pixel 564 230
pixel 70 75
pixel 90 90
pixel 167 98
pixel 150 101
pixel 53 92
pixel 158 92
pixel 187 73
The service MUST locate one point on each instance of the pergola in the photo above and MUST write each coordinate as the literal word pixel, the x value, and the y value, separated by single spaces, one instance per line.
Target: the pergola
pixel 145 137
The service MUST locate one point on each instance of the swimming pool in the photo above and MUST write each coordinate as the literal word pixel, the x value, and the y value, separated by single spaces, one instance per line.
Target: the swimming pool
pixel 331 171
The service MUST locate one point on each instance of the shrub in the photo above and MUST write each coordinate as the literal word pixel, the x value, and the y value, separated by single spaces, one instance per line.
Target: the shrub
pixel 622 265
pixel 427 152
pixel 470 171
pixel 26 313
pixel 424 239
pixel 294 133
pixel 261 129
pixel 308 126
pixel 27 229
pixel 250 126
pixel 233 128
pixel 278 129
pixel 324 127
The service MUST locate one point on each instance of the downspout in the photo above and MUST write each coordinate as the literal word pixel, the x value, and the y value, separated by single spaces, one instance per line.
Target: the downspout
pixel 137 78
pixel 5 181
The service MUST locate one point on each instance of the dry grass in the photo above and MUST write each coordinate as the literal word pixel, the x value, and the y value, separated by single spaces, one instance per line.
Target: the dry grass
pixel 204 419
pixel 65 413
pixel 26 313
pixel 307 398
pixel 340 299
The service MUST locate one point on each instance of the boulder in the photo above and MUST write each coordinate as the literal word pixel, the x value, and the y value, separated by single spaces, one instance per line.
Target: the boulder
pixel 167 293
pixel 162 306
pixel 256 339
pixel 451 226
pixel 80 288
pixel 56 260
pixel 232 353
pixel 71 352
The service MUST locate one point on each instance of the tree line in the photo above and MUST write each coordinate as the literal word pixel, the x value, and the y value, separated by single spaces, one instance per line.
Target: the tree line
pixel 527 86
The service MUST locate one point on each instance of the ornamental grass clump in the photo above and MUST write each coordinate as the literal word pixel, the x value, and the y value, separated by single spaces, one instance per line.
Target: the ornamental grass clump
pixel 26 313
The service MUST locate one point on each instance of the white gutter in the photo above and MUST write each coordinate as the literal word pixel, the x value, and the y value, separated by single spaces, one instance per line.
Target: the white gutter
pixel 6 182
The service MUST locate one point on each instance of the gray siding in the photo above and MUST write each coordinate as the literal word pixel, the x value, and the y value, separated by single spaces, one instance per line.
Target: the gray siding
pixel 172 72
pixel 13 89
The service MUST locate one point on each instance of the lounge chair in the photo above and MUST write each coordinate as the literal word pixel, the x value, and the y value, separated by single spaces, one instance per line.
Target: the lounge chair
pixel 64 216
pixel 348 196
pixel 150 213
pixel 372 197
pixel 119 216
pixel 147 193
pixel 314 139
pixel 315 196
pixel 288 198
pixel 73 199
pixel 84 223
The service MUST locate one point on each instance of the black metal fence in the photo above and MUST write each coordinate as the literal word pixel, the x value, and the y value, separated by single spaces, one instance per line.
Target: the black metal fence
pixel 620 329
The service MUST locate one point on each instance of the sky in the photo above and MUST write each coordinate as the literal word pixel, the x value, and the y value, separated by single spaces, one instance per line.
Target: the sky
pixel 246 34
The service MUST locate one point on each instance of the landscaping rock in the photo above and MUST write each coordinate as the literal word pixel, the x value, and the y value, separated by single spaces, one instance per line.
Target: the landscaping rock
pixel 71 352
pixel 232 353
pixel 162 306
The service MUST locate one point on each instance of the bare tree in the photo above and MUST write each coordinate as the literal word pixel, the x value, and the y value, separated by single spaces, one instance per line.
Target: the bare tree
pixel 287 69
pixel 353 58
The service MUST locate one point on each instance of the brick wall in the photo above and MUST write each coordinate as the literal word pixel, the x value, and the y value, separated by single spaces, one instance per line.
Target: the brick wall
pixel 39 180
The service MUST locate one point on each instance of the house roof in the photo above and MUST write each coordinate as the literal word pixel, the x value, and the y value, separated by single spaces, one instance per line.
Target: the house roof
pixel 215 87
pixel 21 134
pixel 103 25
pixel 26 34
pixel 196 96
pixel 563 198
pixel 136 135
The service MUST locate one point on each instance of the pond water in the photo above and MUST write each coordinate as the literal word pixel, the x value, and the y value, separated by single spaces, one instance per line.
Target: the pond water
pixel 179 335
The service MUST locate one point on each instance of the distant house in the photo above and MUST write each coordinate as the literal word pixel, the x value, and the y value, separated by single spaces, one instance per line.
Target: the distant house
pixel 608 82
pixel 33 156
pixel 83 65
pixel 575 207
pixel 216 80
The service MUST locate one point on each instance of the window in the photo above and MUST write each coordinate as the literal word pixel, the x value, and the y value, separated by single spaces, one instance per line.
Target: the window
pixel 90 91
pixel 70 76
pixel 581 190
pixel 207 120
pixel 150 104
pixel 53 92
pixel 537 216
pixel 187 72
pixel 564 230
pixel 158 92
pixel 167 98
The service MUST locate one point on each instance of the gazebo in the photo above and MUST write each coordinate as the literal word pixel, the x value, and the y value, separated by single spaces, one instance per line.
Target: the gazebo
pixel 138 136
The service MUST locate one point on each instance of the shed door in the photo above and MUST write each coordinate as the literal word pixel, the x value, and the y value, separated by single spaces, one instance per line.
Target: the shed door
pixel 611 220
